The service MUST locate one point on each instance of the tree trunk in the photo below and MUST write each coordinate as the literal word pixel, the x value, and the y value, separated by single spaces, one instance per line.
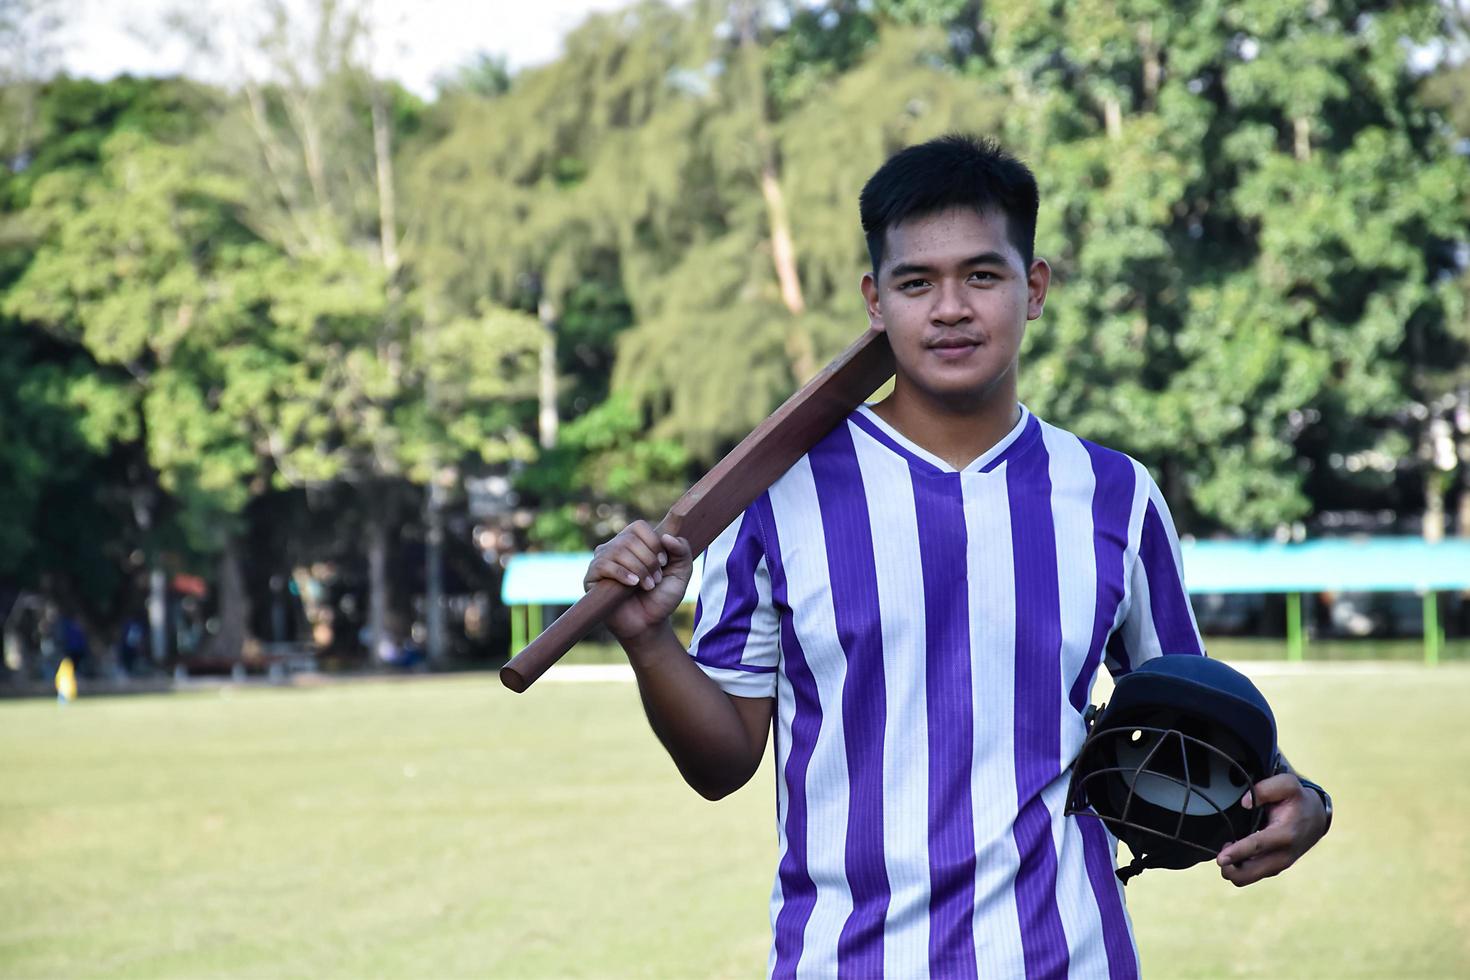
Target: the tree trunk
pixel 1301 128
pixel 234 603
pixel 387 197
pixel 157 581
pixel 783 248
pixel 1113 117
pixel 158 613
pixel 783 253
pixel 1462 440
pixel 800 354
pixel 434 573
pixel 1462 510
pixel 1153 69
pixel 548 420
pixel 1433 506
pixel 377 548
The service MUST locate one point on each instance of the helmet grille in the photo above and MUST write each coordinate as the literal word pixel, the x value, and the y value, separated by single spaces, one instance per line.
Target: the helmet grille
pixel 1165 792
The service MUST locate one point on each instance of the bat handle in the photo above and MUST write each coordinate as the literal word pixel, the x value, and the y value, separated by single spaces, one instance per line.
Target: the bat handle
pixel 563 634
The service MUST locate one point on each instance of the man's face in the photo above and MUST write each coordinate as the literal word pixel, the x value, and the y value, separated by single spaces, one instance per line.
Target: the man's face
pixel 954 296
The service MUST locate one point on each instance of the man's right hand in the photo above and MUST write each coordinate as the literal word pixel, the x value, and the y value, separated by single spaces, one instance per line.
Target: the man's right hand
pixel 658 571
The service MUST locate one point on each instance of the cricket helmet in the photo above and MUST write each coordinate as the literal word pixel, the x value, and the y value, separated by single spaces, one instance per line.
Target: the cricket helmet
pixel 1170 757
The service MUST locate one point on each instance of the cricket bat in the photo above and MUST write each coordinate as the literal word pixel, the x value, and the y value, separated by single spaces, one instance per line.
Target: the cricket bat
pixel 715 501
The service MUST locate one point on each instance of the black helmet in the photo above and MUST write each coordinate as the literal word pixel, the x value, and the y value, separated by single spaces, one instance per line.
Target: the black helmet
pixel 1170 757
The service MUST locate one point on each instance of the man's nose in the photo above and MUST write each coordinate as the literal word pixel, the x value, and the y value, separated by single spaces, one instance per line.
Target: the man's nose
pixel 949 307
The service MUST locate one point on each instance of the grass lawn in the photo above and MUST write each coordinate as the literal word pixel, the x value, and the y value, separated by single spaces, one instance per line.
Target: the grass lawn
pixel 443 827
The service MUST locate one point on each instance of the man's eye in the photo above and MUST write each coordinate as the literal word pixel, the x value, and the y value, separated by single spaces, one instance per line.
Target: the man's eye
pixel 984 276
pixel 913 284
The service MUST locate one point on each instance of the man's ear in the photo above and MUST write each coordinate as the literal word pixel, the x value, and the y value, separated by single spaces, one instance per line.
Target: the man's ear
pixel 869 286
pixel 1037 282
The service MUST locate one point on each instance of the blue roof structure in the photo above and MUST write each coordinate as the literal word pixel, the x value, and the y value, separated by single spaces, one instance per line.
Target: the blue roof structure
pixel 555 579
pixel 1379 564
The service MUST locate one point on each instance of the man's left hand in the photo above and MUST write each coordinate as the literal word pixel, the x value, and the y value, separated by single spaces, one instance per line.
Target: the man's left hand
pixel 1295 820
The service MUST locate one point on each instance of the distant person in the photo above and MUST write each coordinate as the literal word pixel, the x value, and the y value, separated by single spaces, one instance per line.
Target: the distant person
pixel 66 681
pixel 130 642
pixel 72 640
pixel 921 605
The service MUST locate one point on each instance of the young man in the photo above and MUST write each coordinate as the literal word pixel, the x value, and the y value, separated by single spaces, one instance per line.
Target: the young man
pixel 922 603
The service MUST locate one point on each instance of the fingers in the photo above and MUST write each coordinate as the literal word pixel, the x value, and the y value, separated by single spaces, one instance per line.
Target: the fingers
pixel 1249 872
pixel 648 541
pixel 611 566
pixel 1260 843
pixel 678 550
pixel 635 557
pixel 1276 846
pixel 1276 789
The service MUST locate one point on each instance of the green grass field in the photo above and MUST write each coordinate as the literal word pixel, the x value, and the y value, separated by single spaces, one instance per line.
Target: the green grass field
pixel 443 828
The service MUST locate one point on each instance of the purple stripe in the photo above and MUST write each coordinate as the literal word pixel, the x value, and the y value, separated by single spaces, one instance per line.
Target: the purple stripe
pixel 1122 964
pixel 1112 506
pixel 1166 598
pixel 798 893
pixel 939 505
pixel 724 644
pixel 1030 434
pixel 854 583
pixel 876 431
pixel 1037 711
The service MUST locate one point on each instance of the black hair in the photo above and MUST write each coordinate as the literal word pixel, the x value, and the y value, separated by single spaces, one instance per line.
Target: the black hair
pixel 952 171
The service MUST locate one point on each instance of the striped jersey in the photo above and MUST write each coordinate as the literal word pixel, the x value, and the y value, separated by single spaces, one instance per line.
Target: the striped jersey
pixel 931 636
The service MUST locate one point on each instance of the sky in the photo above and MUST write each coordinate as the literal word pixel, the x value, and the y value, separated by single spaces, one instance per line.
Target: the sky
pixel 424 38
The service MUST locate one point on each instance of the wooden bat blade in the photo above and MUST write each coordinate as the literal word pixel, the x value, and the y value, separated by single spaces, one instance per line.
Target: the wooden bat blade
pixel 708 507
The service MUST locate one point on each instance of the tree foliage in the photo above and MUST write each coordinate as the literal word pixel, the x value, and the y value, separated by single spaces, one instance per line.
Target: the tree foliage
pixel 313 281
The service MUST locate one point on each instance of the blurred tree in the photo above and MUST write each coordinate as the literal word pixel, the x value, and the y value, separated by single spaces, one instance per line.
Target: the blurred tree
pixel 144 268
pixel 511 208
pixel 83 505
pixel 27 51
pixel 711 352
pixel 486 75
pixel 1247 210
pixel 1440 410
pixel 316 140
pixel 693 172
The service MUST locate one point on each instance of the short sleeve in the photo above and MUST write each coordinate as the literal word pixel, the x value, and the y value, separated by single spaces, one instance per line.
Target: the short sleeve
pixel 1160 619
pixel 736 627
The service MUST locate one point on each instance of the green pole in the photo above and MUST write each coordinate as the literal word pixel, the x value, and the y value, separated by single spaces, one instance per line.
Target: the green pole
pixel 517 629
pixel 1295 641
pixel 533 614
pixel 1431 629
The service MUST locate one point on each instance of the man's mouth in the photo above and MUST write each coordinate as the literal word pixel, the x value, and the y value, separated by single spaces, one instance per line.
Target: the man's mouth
pixel 953 347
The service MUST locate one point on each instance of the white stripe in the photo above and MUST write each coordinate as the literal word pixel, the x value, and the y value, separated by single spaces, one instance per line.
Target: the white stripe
pixel 1139 635
pixel 713 582
pixel 804 557
pixel 1073 486
pixel 1077 902
pixel 760 643
pixel 896 554
pixel 990 565
pixel 785 708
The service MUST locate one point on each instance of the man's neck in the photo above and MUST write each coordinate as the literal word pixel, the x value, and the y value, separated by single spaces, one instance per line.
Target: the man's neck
pixel 958 432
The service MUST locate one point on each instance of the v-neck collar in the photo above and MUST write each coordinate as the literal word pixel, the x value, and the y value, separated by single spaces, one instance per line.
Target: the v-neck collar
pixel 1022 434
